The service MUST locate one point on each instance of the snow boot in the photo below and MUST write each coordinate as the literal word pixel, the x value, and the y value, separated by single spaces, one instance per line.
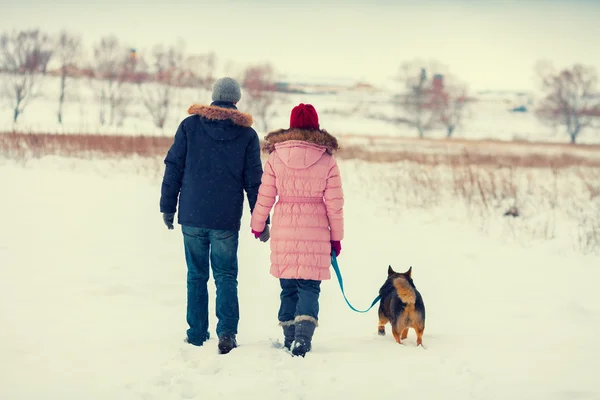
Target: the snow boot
pixel 195 342
pixel 303 337
pixel 289 332
pixel 227 343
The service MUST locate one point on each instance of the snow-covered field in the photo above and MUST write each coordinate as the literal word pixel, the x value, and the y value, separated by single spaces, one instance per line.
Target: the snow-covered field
pixel 350 112
pixel 92 300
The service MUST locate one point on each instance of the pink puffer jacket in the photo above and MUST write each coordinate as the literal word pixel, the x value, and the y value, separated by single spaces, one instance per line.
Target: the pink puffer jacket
pixel 303 173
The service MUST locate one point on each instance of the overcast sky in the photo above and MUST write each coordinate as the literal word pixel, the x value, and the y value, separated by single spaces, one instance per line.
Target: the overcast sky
pixel 489 44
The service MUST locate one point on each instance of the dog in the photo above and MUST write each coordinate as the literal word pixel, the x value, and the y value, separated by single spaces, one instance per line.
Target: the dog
pixel 402 306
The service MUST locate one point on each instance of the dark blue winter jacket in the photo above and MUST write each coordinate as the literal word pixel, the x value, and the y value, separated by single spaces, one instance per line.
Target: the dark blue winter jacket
pixel 214 158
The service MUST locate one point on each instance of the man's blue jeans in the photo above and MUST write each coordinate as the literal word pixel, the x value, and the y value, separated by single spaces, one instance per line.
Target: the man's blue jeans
pixel 221 248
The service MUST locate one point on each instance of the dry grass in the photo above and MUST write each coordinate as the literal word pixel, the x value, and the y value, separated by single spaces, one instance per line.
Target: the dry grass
pixel 479 152
pixel 491 157
pixel 426 151
pixel 535 203
pixel 22 146
pixel 473 144
pixel 542 182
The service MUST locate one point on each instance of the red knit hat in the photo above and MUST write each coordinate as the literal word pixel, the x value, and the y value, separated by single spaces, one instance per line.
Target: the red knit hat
pixel 304 116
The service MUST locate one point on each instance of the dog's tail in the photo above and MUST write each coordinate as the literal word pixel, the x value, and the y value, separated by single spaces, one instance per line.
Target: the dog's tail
pixel 405 290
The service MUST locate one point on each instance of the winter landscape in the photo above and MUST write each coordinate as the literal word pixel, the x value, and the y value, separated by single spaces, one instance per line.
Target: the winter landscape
pixel 489 188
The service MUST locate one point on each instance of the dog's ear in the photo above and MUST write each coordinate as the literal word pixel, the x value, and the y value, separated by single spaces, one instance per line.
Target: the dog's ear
pixel 390 270
pixel 409 272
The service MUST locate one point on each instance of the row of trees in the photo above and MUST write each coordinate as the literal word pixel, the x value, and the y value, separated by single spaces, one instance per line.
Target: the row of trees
pixel 115 71
pixel 433 98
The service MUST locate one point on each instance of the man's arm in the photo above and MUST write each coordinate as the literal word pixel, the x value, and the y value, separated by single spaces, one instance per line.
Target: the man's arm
pixel 174 167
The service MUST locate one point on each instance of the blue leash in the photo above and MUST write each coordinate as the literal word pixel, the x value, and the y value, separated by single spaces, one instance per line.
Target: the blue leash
pixel 336 268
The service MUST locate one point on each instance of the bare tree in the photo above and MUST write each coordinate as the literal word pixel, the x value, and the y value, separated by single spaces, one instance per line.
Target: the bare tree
pixel 164 73
pixel 24 56
pixel 449 100
pixel 68 49
pixel 113 68
pixel 259 84
pixel 569 98
pixel 417 100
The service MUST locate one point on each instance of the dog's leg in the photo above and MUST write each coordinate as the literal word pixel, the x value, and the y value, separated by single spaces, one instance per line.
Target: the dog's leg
pixel 381 326
pixel 404 334
pixel 396 333
pixel 420 329
pixel 396 336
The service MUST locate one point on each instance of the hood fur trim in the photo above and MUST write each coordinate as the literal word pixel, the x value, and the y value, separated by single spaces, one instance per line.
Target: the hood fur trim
pixel 215 113
pixel 319 137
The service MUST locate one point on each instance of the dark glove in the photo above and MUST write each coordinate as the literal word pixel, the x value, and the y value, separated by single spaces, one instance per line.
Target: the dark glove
pixel 337 246
pixel 168 219
pixel 264 235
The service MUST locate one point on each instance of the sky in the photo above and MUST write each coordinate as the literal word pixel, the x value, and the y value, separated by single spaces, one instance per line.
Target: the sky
pixel 488 44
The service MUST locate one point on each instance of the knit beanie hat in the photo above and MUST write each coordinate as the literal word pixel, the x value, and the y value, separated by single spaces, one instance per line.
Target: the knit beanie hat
pixel 226 89
pixel 304 116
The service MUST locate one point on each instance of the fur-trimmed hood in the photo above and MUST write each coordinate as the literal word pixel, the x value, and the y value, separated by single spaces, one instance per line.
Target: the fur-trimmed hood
pixel 219 113
pixel 319 137
pixel 221 121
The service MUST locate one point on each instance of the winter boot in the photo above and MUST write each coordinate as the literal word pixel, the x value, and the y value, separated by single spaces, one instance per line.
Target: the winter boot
pixel 288 333
pixel 303 336
pixel 227 343
pixel 197 342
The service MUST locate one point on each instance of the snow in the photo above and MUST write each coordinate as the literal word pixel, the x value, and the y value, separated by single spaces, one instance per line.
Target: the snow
pixel 92 300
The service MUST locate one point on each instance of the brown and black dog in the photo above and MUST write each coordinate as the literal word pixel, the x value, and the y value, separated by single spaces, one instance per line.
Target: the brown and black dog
pixel 402 306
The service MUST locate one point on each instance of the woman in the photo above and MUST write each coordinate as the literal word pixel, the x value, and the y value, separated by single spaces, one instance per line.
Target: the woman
pixel 307 220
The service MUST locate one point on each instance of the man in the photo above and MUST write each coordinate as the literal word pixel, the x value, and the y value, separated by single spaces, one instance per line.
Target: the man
pixel 214 158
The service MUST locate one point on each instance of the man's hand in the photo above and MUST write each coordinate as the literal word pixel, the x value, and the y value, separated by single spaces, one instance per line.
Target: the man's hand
pixel 264 235
pixel 168 219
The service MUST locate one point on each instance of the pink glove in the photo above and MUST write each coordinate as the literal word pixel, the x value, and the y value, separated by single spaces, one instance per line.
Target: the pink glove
pixel 256 234
pixel 337 246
